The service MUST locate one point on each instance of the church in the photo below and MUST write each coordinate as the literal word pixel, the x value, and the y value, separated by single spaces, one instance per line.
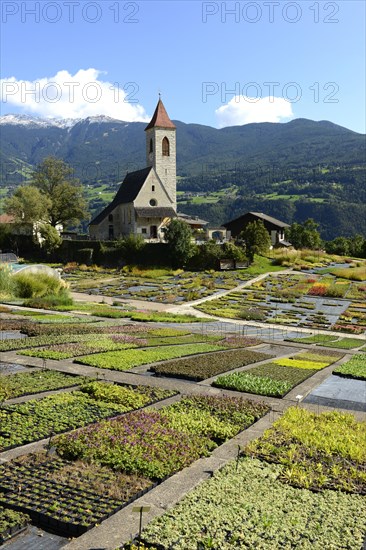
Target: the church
pixel 146 200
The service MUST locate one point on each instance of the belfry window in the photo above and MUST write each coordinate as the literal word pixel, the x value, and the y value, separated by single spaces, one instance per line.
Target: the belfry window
pixel 151 146
pixel 166 147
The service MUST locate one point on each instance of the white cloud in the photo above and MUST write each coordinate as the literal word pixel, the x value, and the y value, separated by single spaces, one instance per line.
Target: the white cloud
pixel 243 110
pixel 74 96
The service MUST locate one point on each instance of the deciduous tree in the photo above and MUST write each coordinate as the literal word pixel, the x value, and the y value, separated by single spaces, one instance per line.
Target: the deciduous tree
pixel 256 239
pixel 54 178
pixel 27 205
pixel 178 236
pixel 50 239
pixel 305 235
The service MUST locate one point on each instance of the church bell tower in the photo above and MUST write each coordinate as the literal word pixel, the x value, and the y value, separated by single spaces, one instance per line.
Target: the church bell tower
pixel 161 150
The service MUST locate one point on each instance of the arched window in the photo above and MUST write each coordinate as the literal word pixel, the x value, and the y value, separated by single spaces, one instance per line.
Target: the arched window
pixel 110 218
pixel 151 148
pixel 166 148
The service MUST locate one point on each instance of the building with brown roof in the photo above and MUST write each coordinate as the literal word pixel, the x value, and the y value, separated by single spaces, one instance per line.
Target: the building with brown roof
pixel 276 228
pixel 146 199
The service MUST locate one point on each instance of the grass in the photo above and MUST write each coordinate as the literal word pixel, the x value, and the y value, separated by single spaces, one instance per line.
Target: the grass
pixel 353 274
pixel 262 265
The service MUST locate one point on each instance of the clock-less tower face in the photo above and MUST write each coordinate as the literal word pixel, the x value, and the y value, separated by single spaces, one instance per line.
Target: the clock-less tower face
pixel 150 146
pixel 161 150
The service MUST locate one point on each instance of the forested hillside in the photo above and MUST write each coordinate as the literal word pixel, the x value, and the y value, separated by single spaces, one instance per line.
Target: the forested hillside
pixel 292 171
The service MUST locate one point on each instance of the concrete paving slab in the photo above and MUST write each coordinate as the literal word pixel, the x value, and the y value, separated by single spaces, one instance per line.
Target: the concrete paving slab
pixel 337 387
pixel 340 392
pixel 35 539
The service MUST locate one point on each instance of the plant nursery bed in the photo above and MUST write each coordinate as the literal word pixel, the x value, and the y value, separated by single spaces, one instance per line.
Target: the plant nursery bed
pixel 37 419
pixel 353 368
pixel 319 451
pixel 128 359
pixel 66 498
pixel 277 378
pixel 203 367
pixel 37 381
pixel 11 524
pixel 300 485
pixel 246 505
pixel 156 444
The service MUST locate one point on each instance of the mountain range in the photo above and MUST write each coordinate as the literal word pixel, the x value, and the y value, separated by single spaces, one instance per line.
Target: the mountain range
pixel 257 158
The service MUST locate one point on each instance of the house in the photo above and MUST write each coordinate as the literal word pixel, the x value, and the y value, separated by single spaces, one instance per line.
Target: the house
pixel 146 199
pixel 8 221
pixel 275 228
pixel 194 222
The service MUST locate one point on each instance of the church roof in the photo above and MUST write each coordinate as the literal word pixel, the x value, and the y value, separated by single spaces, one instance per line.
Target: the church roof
pixel 160 118
pixel 128 191
pixel 131 185
pixel 155 212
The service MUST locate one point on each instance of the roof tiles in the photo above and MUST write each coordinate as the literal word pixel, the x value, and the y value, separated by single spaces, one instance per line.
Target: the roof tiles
pixel 160 118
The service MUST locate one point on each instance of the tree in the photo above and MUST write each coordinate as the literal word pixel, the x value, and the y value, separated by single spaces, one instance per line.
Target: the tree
pixel 27 205
pixel 232 251
pixel 356 245
pixel 256 239
pixel 50 240
pixel 131 247
pixel 53 177
pixel 207 255
pixel 339 245
pixel 351 246
pixel 305 235
pixel 178 236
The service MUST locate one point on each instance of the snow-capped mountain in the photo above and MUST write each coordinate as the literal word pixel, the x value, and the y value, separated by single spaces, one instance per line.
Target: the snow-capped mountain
pixel 36 122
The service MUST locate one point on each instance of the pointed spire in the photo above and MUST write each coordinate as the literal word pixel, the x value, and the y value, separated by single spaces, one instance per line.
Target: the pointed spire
pixel 160 118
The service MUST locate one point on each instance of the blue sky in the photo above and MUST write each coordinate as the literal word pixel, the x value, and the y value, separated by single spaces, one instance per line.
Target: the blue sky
pixel 215 63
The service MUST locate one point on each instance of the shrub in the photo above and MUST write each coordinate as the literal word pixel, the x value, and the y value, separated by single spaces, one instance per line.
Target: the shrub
pixel 318 289
pixel 30 285
pixel 51 301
